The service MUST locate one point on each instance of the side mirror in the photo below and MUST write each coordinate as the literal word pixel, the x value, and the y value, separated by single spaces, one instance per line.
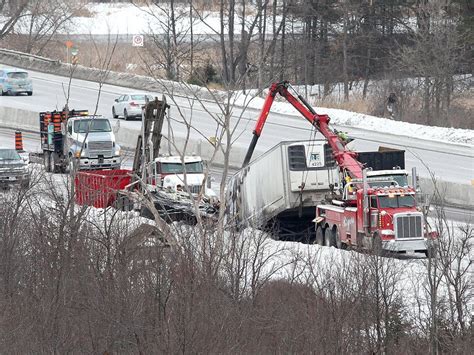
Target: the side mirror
pixel 116 100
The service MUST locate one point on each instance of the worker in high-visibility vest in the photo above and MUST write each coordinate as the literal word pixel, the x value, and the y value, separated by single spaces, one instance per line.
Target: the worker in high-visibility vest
pixel 348 180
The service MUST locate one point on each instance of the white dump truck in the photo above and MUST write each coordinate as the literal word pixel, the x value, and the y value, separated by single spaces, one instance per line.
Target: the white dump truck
pixel 75 135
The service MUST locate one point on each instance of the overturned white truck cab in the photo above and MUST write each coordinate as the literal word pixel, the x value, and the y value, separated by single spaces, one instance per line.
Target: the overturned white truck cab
pixel 280 189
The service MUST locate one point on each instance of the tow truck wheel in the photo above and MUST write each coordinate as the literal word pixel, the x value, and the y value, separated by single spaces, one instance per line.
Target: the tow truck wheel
pixel 319 235
pixel 377 244
pixel 330 240
pixel 337 239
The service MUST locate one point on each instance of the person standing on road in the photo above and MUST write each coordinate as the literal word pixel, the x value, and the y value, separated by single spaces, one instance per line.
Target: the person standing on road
pixel 392 104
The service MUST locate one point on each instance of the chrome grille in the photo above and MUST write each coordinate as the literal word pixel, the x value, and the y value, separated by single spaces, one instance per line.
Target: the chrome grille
pixel 409 226
pixel 100 146
pixel 97 148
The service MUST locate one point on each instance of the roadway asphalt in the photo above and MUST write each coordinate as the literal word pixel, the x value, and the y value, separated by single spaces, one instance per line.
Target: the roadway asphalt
pixel 449 162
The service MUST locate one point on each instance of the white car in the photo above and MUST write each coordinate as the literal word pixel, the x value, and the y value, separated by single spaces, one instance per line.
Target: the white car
pixel 130 105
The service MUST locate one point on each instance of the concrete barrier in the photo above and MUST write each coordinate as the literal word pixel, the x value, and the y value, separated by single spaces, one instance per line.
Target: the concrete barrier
pixel 19 119
pixel 141 82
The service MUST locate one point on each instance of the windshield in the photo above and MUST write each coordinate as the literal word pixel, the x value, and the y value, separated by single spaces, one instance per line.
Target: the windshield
pixel 92 125
pixel 177 168
pixel 18 75
pixel 396 201
pixel 141 97
pixel 9 154
pixel 400 179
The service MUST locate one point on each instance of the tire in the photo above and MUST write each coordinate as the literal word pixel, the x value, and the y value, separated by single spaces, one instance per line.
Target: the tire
pixel 377 244
pixel 25 184
pixel 319 236
pixel 330 240
pixel 70 165
pixel 430 251
pixel 114 115
pixel 29 93
pixel 55 166
pixel 337 239
pixel 47 161
pixel 4 93
pixel 125 115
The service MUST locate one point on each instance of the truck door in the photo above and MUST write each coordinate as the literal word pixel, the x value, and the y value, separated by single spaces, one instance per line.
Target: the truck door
pixel 374 213
pixel 69 137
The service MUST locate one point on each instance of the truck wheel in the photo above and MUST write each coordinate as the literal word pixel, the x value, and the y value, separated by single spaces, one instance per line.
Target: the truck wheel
pixel 330 240
pixel 377 244
pixel 55 163
pixel 337 239
pixel 47 161
pixel 319 235
pixel 430 251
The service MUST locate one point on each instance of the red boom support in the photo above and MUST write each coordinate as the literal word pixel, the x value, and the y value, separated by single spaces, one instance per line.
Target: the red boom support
pixel 345 158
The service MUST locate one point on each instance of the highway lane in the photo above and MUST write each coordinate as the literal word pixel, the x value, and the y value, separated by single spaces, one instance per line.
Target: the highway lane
pixel 449 162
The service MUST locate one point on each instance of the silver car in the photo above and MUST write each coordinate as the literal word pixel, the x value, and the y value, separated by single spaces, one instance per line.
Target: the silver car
pixel 15 82
pixel 130 105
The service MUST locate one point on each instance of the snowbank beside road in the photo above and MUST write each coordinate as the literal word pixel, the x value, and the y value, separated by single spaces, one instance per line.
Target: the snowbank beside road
pixel 368 122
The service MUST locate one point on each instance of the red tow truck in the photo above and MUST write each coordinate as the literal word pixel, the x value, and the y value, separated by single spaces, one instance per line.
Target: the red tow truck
pixel 369 208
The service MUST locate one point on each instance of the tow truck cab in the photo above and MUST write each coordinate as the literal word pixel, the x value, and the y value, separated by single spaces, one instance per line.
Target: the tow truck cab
pixel 385 212
pixel 395 218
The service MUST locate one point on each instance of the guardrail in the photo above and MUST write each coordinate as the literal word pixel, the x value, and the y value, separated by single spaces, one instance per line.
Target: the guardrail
pixel 140 82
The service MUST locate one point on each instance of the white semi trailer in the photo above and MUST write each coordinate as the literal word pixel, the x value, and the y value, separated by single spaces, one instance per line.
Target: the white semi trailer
pixel 280 189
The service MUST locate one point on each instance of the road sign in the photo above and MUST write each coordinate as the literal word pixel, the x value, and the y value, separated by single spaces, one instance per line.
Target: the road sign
pixel 137 41
pixel 69 44
pixel 74 51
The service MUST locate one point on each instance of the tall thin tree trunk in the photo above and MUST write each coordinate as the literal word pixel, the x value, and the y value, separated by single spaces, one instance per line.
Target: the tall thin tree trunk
pixel 344 55
pixel 231 40
pixel 225 68
pixel 283 38
pixel 191 55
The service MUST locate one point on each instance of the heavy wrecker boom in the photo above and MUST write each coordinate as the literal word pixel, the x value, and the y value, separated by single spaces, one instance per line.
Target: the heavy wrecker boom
pixel 346 159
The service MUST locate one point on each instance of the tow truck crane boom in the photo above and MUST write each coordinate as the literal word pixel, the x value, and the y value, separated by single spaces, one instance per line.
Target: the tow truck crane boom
pixel 346 159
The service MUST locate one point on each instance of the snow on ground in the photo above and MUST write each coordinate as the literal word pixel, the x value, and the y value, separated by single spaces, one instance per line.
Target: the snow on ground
pixel 125 19
pixel 368 122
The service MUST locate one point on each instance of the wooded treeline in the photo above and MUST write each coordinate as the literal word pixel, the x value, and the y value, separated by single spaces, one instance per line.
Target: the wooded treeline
pixel 420 50
pixel 80 280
